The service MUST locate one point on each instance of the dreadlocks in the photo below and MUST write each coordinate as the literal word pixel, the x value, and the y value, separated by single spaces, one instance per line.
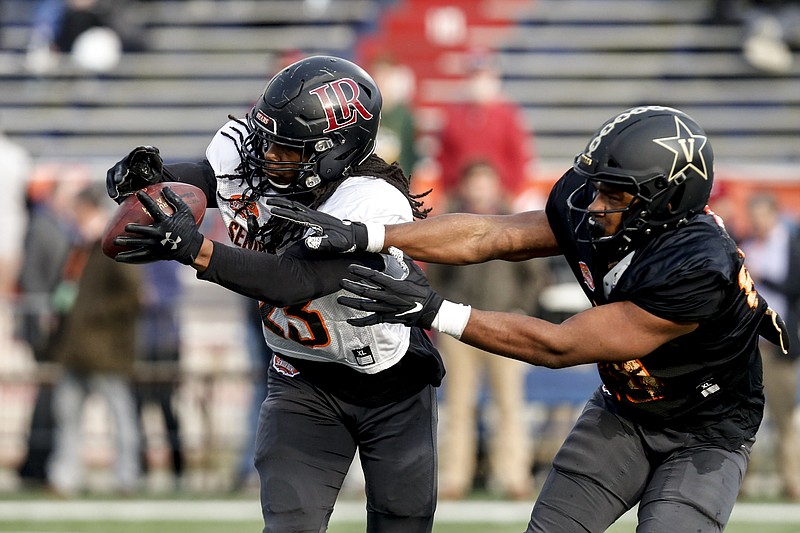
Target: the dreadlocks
pixel 279 232
pixel 394 175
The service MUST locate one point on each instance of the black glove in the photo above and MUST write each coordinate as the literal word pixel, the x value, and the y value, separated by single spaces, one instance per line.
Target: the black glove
pixel 329 233
pixel 137 170
pixel 410 301
pixel 169 237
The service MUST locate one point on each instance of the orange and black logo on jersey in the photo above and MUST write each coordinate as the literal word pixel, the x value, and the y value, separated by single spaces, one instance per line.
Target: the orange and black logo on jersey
pixel 587 275
pixel 239 237
pixel 631 381
pixel 242 208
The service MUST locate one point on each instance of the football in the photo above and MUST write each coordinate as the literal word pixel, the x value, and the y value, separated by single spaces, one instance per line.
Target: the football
pixel 131 211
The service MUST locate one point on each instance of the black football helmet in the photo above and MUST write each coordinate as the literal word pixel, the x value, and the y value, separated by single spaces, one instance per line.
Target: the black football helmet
pixel 658 154
pixel 328 107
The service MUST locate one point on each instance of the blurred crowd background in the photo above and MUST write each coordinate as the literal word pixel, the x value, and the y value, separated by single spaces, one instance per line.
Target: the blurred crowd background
pixel 486 102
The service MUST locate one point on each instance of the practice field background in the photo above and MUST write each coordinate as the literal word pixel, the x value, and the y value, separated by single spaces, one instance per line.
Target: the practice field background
pixel 241 515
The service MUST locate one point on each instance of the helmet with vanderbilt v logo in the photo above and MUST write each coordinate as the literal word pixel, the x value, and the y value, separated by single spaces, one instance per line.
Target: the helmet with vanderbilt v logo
pixel 658 154
pixel 326 106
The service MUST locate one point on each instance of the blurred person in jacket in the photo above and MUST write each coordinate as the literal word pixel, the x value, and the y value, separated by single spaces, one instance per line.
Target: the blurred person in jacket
pixel 498 286
pixel 773 257
pixel 159 347
pixel 484 125
pixel 48 239
pixel 96 347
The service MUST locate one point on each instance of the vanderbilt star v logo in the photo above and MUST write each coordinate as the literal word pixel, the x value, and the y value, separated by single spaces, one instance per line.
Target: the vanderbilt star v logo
pixel 168 240
pixel 687 148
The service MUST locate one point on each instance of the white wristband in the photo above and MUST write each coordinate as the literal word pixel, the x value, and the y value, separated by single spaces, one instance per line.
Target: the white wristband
pixel 376 234
pixel 452 318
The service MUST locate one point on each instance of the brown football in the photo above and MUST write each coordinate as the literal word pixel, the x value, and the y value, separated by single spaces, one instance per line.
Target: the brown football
pixel 131 211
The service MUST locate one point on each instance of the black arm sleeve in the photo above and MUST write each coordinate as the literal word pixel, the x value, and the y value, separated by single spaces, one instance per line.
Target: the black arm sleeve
pixel 199 174
pixel 294 277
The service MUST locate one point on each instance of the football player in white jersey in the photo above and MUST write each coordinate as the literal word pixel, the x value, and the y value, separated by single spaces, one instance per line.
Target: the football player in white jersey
pixel 333 388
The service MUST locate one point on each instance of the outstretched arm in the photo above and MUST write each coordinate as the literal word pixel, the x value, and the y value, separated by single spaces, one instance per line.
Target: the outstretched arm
pixel 453 238
pixel 462 238
pixel 584 338
pixel 287 279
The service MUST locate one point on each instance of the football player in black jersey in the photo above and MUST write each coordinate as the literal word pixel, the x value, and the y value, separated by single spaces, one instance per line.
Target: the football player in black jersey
pixel 673 329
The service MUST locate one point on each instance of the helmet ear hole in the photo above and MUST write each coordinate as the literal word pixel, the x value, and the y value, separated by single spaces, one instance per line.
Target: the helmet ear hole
pixel 343 156
pixel 677 197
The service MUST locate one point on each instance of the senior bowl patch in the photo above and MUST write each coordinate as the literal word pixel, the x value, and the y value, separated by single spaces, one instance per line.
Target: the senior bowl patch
pixel 587 275
pixel 284 367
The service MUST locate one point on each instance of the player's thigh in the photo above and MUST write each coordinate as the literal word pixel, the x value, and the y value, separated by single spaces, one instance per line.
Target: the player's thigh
pixel 598 474
pixel 303 451
pixel 398 454
pixel 694 490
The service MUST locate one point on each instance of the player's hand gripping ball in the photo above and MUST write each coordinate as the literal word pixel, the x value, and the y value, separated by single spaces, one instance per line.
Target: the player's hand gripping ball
pixel 131 211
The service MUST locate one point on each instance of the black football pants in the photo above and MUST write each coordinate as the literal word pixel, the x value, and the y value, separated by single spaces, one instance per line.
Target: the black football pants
pixel 609 464
pixel 306 442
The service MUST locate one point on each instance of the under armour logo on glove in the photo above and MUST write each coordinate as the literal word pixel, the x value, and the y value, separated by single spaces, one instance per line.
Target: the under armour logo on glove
pixel 169 237
pixel 168 240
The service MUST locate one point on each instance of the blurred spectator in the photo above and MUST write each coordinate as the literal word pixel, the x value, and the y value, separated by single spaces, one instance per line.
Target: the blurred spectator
pixel 722 204
pixel 773 259
pixel 497 286
pixel 397 132
pixel 48 238
pixel 485 126
pixel 723 12
pixel 159 349
pixel 772 27
pixel 93 33
pixel 96 347
pixel 565 395
pixel 259 355
pixel 41 54
pixel 16 168
pixel 771 30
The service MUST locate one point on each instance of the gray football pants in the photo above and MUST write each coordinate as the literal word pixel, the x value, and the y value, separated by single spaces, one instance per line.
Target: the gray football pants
pixel 306 442
pixel 608 464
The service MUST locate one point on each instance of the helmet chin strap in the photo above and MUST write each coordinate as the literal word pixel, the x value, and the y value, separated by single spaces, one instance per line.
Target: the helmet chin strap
pixel 286 188
pixel 279 186
pixel 615 246
pixel 596 230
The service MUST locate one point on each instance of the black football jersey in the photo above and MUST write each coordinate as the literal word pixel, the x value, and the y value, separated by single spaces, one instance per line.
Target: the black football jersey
pixel 708 381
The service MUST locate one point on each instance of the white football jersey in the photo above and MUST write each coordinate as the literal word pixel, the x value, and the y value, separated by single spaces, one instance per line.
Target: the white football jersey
pixel 317 330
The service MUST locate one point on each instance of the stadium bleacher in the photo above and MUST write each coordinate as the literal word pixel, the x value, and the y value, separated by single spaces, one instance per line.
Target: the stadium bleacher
pixel 570 63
